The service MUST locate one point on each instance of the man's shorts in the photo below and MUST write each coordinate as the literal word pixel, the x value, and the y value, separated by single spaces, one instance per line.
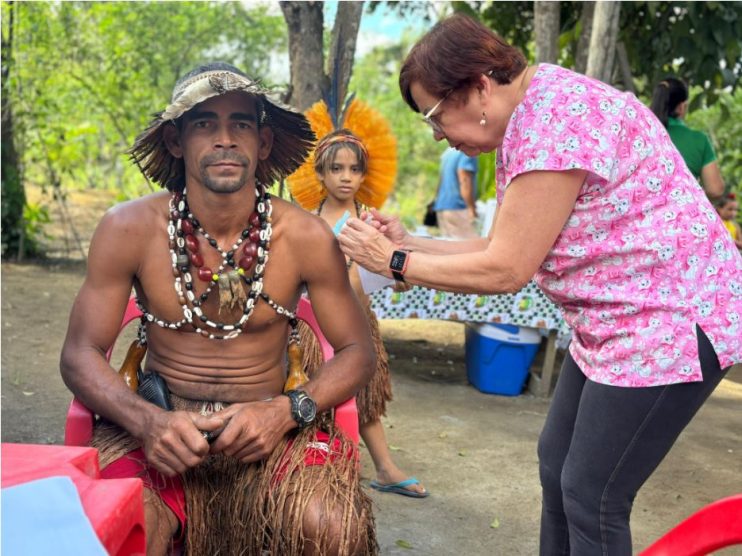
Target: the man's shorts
pixel 170 490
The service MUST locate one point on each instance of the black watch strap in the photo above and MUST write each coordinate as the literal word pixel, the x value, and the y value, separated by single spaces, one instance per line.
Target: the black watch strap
pixel 303 408
pixel 398 264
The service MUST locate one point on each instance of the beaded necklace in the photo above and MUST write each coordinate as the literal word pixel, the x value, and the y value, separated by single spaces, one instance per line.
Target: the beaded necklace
pixel 185 252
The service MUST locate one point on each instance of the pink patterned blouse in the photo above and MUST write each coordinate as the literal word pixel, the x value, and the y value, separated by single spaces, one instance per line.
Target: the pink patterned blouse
pixel 644 256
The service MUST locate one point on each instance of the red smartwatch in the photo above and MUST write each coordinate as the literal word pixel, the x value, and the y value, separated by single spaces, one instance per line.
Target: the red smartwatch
pixel 398 264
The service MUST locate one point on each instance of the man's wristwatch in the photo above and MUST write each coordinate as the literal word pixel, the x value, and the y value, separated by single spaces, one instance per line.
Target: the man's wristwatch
pixel 303 408
pixel 398 264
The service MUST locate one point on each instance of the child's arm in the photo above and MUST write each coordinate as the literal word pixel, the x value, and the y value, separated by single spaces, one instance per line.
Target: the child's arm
pixel 738 239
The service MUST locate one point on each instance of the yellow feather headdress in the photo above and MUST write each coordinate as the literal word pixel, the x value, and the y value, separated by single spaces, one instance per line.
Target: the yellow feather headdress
pixel 375 133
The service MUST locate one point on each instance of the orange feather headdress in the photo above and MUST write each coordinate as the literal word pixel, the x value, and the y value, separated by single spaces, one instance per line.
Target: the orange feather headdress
pixel 375 133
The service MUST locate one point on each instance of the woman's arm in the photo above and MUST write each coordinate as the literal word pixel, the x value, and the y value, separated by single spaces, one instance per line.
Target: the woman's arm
pixel 534 210
pixel 713 184
pixel 466 189
pixel 445 247
pixel 394 231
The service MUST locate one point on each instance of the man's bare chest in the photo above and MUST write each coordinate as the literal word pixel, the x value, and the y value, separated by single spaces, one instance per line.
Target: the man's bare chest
pixel 212 304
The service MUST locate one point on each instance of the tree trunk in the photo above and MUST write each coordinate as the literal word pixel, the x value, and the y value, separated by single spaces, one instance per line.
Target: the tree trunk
pixel 625 68
pixel 306 55
pixel 583 44
pixel 343 46
pixel 13 193
pixel 603 40
pixel 546 23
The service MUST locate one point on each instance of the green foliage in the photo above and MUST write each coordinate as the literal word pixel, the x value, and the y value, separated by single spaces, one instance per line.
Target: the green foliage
pixel 699 41
pixel 513 21
pixel 13 201
pixel 35 216
pixel 13 194
pixel 723 123
pixel 408 9
pixel 486 185
pixel 89 76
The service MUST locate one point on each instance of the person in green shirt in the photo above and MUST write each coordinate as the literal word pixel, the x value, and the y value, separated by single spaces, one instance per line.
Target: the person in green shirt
pixel 670 104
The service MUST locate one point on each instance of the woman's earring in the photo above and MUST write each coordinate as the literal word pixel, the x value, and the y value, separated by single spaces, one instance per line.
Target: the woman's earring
pixel 483 121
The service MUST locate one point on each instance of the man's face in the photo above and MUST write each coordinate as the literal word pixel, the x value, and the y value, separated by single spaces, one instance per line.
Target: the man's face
pixel 221 143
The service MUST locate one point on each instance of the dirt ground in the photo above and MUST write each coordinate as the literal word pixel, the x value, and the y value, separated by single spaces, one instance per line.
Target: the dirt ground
pixel 475 452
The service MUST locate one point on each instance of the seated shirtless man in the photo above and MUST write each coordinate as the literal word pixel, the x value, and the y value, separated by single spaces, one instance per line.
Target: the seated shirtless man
pixel 218 267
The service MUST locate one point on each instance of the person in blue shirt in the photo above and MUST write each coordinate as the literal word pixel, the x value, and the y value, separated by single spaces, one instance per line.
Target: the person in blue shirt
pixel 455 202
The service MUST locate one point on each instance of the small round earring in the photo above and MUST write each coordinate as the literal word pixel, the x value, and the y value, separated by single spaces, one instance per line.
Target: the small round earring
pixel 483 121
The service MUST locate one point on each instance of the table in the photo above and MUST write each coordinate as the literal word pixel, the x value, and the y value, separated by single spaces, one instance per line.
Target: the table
pixel 113 506
pixel 529 307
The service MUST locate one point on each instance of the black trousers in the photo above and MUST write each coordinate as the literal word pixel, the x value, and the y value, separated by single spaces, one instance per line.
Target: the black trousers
pixel 600 444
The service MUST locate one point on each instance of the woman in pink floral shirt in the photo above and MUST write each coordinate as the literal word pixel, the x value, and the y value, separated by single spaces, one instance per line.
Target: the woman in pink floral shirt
pixel 597 206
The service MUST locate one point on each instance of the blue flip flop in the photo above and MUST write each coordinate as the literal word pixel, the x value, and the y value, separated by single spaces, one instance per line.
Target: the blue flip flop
pixel 399 488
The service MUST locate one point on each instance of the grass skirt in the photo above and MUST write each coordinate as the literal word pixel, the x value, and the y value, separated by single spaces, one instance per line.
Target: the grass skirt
pixel 235 508
pixel 373 397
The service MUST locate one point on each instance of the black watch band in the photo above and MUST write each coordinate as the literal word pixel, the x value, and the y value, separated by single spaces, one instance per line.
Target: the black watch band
pixel 398 264
pixel 303 408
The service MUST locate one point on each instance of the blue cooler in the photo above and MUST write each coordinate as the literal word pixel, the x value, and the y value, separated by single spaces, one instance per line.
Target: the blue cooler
pixel 498 357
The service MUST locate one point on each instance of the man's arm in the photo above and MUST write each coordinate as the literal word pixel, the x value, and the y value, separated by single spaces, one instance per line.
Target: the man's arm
pixel 466 189
pixel 341 318
pixel 94 324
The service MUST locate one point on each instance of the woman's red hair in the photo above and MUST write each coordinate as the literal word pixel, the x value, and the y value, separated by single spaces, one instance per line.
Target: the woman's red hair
pixel 454 54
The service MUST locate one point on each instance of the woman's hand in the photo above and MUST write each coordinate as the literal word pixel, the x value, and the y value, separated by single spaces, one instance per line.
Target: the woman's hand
pixel 365 244
pixel 390 226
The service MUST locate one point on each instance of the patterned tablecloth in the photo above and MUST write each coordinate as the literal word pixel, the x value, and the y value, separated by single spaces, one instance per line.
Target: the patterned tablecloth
pixel 528 307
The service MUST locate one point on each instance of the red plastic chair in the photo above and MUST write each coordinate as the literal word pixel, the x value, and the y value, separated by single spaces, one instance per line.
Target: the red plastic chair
pixel 78 428
pixel 113 506
pixel 715 526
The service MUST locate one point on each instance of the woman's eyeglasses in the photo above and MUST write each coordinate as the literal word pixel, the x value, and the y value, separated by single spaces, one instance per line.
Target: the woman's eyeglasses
pixel 428 117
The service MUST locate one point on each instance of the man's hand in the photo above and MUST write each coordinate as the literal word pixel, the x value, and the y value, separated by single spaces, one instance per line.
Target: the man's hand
pixel 174 442
pixel 254 429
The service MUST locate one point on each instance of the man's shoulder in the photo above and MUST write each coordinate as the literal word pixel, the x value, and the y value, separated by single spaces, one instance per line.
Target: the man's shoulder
pixel 299 225
pixel 140 213
pixel 129 230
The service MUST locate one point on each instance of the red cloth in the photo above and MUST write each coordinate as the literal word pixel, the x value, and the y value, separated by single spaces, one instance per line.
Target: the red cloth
pixel 134 464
